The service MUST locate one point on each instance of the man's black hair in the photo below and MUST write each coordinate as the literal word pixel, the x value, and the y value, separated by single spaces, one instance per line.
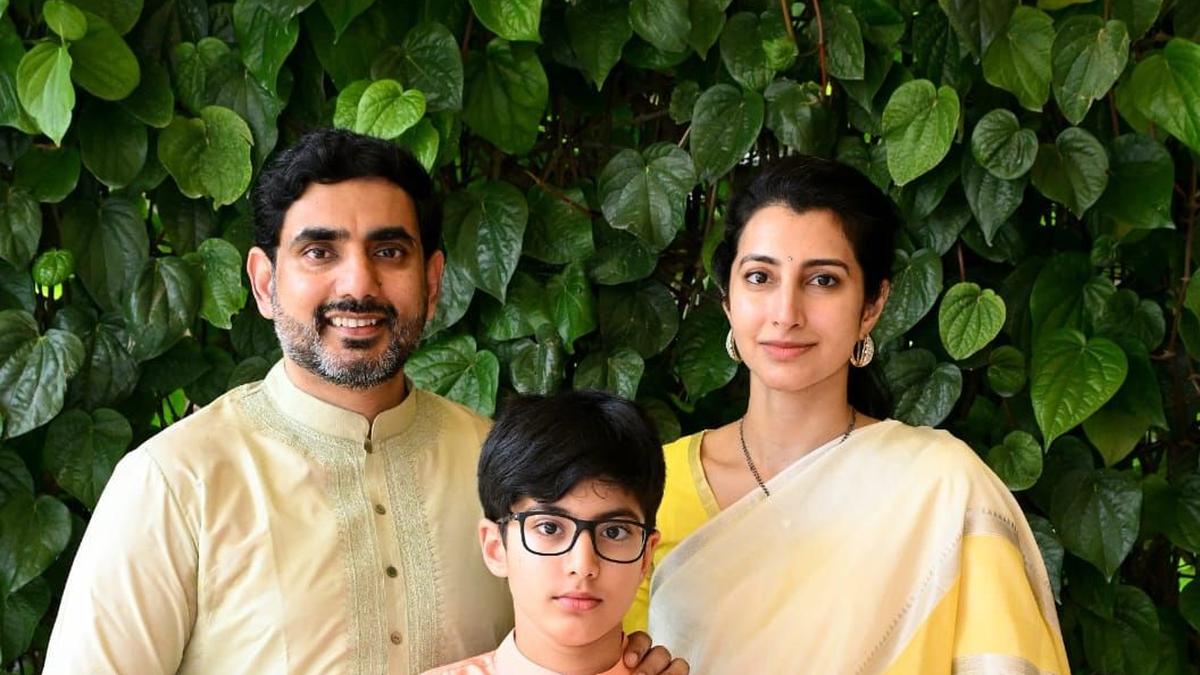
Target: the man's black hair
pixel 542 447
pixel 332 156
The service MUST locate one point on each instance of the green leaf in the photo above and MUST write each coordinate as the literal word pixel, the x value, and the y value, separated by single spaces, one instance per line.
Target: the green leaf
pixel 1126 318
pixel 160 307
pixel 218 367
pixel 82 449
pixel 1051 548
pixel 15 477
pixel 221 292
pixel 1139 191
pixel 1096 514
pixel 1165 90
pixel 558 232
pixel 1056 300
pixel 1089 55
pixel 109 374
pixel 1131 642
pixel 209 155
pixel 423 141
pixel 938 53
pixel 510 19
pixel 178 367
pixel 153 101
pixel 924 390
pixel 666 24
pixel 537 367
pixel 798 117
pixel 572 309
pixel 53 267
pixel 939 230
pixel 347 57
pixel 522 314
pixel 20 614
pixel 342 13
pixel 16 289
pixel 454 298
pixel 113 144
pixel 454 369
pixel 620 257
pixel 1139 15
pixel 918 126
pixel 430 62
pixel 1073 171
pixel 44 88
pixel 20 226
pixel 916 284
pixel 683 99
pixel 1189 603
pixel 978 22
pixel 1116 428
pixel 186 222
pixel 700 358
pixel 507 92
pixel 1019 59
pixel 743 51
pixel 103 64
pixel 708 19
pixel 386 110
pixel 646 193
pixel 233 87
pixel 598 31
pixel 1072 377
pixel 264 40
pixel 49 174
pixel 969 319
pixel 32 534
pixel 623 311
pixel 618 371
pixel 34 369
pixel 992 200
pixel 843 43
pixel 1002 147
pixel 345 109
pixel 1006 370
pixel 122 14
pixel 725 124
pixel 65 19
pixel 1017 461
pixel 484 227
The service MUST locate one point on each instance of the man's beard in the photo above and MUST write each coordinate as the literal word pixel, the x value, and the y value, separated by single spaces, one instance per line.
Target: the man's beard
pixel 301 342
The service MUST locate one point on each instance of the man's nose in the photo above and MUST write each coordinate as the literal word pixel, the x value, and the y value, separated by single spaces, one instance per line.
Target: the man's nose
pixel 357 276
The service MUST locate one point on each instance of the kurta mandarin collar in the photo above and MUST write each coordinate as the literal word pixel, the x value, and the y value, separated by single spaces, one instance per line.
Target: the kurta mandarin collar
pixel 311 412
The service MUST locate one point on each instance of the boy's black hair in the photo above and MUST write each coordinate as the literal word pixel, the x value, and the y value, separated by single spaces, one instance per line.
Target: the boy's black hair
pixel 332 156
pixel 542 446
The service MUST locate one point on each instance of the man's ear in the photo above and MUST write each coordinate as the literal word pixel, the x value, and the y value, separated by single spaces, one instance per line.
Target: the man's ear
pixel 872 310
pixel 495 554
pixel 434 268
pixel 648 556
pixel 262 274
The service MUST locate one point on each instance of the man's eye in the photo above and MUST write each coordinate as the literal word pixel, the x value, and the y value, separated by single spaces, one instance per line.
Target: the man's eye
pixel 317 253
pixel 390 252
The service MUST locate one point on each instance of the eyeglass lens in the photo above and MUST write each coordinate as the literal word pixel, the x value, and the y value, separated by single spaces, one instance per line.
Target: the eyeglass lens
pixel 549 534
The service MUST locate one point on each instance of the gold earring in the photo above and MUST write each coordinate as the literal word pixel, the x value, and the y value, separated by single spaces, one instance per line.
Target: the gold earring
pixel 731 347
pixel 864 351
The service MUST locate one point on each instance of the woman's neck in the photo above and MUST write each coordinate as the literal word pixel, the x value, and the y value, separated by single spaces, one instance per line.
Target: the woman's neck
pixel 783 426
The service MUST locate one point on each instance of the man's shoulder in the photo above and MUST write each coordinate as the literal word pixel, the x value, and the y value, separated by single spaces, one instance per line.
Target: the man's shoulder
pixel 212 429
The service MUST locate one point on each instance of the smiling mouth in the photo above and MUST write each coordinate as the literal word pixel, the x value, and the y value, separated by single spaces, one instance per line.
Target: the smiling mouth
pixel 351 322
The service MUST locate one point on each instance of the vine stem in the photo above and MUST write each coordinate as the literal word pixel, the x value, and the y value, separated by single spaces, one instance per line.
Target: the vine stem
pixel 962 265
pixel 821 47
pixel 467 35
pixel 562 196
pixel 1192 207
pixel 787 19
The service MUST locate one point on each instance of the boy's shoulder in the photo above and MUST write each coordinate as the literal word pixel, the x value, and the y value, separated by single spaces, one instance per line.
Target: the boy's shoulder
pixel 484 664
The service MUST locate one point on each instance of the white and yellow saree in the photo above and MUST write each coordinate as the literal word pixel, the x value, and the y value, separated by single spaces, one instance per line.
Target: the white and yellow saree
pixel 897 551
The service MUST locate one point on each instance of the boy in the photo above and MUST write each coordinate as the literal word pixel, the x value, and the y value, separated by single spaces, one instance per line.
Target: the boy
pixel 570 485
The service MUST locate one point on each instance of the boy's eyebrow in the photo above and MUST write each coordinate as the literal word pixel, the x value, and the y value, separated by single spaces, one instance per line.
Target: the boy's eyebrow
pixel 619 513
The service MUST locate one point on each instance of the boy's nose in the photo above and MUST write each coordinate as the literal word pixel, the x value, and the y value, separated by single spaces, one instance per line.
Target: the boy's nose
pixel 582 558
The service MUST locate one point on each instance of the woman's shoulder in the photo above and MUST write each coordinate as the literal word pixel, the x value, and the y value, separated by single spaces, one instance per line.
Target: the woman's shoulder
pixel 939 453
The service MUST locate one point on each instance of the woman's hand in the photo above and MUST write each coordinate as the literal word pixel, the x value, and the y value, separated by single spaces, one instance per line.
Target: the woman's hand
pixel 651 661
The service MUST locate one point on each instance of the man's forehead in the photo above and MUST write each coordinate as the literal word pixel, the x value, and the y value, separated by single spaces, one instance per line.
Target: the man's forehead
pixel 356 207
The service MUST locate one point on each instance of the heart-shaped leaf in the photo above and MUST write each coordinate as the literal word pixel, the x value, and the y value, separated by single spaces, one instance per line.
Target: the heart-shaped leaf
pixel 1097 513
pixel 1017 461
pixel 924 390
pixel 1072 377
pixel 560 226
pixel 1089 55
pixel 506 94
pixel 1165 89
pixel 34 369
pixel 208 155
pixel 700 357
pixel 485 225
pixel 1006 370
pixel 725 124
pixel 102 63
pixel 32 534
pixel 1001 146
pixel 618 371
pixel 44 87
pixel 455 369
pixel 916 284
pixel 510 19
pixel 572 309
pixel 646 193
pixel 665 24
pixel 1072 171
pixel 1018 60
pixel 386 110
pixel 82 449
pixel 969 319
pixel 160 307
pixel 598 31
pixel 623 311
pixel 918 125
pixel 20 226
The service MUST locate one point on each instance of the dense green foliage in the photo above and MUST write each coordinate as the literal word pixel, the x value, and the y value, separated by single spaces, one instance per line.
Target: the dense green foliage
pixel 1043 154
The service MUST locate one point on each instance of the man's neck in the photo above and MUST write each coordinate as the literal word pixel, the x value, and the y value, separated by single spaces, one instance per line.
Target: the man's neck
pixel 366 402
pixel 596 657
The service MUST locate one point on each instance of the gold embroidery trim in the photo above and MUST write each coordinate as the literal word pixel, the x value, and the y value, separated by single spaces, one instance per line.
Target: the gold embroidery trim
pixel 994 664
pixel 343 463
pixel 414 535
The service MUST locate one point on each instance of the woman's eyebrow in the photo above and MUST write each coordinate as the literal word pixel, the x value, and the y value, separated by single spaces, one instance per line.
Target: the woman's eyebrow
pixel 827 262
pixel 758 257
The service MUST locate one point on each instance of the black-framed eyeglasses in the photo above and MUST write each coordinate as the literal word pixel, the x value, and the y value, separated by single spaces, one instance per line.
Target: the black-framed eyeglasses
pixel 614 539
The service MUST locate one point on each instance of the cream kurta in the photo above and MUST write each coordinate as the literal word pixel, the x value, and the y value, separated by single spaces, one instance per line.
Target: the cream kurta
pixel 272 532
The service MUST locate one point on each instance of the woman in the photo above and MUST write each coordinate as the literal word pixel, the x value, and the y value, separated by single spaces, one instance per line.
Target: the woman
pixel 808 536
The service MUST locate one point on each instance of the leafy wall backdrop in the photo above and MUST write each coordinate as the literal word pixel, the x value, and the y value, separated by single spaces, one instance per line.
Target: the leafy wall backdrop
pixel 1043 154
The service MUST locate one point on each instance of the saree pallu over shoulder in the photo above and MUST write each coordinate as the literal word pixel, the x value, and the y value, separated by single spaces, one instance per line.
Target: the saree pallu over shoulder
pixel 897 552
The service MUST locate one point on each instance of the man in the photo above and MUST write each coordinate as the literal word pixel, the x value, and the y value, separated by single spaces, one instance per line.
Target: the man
pixel 322 520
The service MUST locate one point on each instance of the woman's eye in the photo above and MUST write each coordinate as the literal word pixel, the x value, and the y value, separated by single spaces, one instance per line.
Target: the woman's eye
pixel 825 280
pixel 757 278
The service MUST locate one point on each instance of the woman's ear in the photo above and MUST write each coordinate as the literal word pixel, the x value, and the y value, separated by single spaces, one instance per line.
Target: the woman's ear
pixel 495 553
pixel 872 310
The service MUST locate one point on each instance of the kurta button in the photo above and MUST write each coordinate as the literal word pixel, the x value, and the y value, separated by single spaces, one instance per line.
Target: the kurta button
pixel 379 509
pixel 391 571
pixel 396 639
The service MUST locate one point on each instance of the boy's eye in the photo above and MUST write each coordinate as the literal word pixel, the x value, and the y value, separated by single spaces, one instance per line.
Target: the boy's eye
pixel 615 531
pixel 547 527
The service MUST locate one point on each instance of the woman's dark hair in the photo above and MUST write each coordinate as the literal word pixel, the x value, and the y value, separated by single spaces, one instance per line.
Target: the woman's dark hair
pixel 867 217
pixel 332 156
pixel 542 447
